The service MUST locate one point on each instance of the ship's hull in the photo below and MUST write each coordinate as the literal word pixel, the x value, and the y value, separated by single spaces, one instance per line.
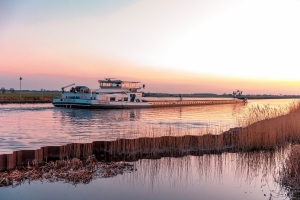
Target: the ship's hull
pixel 95 104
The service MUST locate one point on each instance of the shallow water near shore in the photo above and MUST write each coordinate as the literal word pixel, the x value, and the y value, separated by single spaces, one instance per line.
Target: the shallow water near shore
pixel 223 176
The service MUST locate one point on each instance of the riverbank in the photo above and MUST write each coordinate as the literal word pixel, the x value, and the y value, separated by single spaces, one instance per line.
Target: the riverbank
pixel 27 97
pixel 25 101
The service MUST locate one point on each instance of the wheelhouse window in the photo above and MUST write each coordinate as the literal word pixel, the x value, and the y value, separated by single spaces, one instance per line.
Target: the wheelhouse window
pixel 105 84
pixel 104 98
pixel 112 98
pixel 116 85
pixel 110 84
pixel 119 98
pixel 125 98
pixel 128 85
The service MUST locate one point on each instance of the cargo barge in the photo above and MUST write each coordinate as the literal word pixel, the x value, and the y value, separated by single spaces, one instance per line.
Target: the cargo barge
pixel 125 94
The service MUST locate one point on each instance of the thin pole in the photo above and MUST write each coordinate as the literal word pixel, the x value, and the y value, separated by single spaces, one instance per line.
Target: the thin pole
pixel 20 88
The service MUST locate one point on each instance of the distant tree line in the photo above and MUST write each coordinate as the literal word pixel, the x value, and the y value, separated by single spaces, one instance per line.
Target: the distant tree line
pixel 3 90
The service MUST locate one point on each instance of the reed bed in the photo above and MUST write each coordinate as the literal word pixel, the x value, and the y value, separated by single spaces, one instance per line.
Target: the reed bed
pixel 68 170
pixel 269 128
pixel 262 128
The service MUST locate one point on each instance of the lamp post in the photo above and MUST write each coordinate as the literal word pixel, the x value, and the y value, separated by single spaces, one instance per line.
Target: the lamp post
pixel 20 88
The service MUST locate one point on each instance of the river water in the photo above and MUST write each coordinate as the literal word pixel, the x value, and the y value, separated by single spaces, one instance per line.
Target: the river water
pixel 225 176
pixel 31 126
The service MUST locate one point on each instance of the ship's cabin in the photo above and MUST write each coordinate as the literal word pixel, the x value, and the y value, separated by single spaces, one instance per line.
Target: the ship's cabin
pixel 108 83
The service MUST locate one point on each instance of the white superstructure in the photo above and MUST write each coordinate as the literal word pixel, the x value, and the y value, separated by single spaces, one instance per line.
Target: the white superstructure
pixel 111 94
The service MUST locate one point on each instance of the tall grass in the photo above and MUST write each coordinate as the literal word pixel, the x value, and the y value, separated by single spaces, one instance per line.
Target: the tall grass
pixel 269 128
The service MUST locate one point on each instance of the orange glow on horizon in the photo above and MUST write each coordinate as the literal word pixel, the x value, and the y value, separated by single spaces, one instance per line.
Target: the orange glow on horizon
pixel 91 69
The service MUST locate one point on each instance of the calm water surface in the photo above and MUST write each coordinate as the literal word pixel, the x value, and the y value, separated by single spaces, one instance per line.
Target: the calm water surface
pixel 224 176
pixel 31 126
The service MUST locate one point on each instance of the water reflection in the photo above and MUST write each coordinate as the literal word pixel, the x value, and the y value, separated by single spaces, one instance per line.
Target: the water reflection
pixel 252 172
pixel 245 175
pixel 113 124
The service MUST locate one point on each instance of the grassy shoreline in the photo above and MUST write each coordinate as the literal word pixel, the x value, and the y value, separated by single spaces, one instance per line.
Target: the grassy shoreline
pixel 28 97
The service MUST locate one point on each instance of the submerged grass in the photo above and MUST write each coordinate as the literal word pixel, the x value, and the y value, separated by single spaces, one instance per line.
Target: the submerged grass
pixel 69 170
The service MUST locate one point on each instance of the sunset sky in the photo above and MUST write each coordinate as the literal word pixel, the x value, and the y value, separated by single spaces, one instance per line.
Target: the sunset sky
pixel 174 46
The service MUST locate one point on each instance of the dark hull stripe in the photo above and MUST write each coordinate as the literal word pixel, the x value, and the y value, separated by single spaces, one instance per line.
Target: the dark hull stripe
pixel 105 106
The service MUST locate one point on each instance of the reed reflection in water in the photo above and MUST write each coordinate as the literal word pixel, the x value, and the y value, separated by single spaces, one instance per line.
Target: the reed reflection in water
pixel 248 175
pixel 223 176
